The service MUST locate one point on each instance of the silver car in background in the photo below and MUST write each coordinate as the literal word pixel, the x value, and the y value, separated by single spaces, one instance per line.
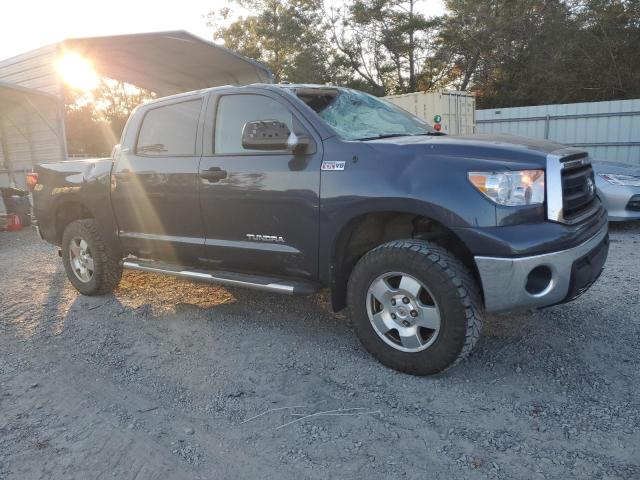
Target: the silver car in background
pixel 618 186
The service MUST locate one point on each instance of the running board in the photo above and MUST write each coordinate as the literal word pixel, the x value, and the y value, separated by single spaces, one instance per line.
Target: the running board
pixel 268 284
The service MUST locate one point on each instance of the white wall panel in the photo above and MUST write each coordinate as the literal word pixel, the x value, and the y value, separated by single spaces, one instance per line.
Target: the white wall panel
pixel 608 130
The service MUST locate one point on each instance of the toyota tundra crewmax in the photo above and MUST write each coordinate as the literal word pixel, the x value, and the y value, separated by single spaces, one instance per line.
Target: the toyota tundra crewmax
pixel 294 188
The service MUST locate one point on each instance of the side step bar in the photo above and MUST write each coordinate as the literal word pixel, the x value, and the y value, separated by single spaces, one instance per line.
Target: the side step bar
pixel 268 284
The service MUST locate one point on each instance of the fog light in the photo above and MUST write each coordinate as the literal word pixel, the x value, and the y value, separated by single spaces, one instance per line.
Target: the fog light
pixel 538 280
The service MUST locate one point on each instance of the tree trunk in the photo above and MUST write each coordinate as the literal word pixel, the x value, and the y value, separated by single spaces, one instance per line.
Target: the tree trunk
pixel 471 68
pixel 412 47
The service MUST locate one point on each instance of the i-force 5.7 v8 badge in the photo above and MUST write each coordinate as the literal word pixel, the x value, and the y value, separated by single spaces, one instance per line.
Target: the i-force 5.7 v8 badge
pixel 331 165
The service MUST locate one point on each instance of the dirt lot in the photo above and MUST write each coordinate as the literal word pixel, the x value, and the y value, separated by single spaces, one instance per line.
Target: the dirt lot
pixel 159 380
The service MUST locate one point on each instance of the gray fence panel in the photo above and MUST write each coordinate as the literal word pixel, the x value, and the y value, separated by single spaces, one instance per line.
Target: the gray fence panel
pixel 608 130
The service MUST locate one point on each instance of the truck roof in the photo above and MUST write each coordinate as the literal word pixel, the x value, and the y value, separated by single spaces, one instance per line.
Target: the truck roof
pixel 266 86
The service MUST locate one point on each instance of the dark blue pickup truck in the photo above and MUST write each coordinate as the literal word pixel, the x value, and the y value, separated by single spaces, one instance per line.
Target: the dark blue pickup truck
pixel 292 188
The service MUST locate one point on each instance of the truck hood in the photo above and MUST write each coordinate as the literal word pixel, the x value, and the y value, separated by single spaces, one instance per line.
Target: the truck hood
pixel 502 150
pixel 491 141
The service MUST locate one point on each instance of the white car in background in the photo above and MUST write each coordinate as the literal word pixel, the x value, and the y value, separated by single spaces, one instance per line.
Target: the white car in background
pixel 618 186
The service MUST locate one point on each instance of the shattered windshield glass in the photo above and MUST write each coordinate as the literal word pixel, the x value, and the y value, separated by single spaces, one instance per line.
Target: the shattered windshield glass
pixel 359 116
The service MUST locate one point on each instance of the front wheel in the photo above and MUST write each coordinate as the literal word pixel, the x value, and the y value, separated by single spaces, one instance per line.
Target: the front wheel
pixel 415 307
pixel 90 265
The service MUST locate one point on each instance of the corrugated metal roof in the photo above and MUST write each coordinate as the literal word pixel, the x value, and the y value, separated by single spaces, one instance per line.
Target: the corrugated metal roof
pixel 162 62
pixel 167 62
pixel 35 69
pixel 31 125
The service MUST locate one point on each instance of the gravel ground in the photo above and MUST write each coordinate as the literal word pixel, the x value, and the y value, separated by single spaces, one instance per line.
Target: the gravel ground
pixel 162 379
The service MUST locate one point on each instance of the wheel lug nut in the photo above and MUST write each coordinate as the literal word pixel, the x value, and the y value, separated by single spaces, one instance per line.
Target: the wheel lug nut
pixel 405 323
pixel 405 300
pixel 393 301
pixel 393 315
pixel 414 313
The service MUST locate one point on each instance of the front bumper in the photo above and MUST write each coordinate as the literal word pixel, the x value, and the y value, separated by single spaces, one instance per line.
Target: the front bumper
pixel 616 199
pixel 508 286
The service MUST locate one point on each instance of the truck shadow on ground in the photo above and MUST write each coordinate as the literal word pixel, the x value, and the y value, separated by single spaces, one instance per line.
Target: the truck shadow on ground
pixel 306 321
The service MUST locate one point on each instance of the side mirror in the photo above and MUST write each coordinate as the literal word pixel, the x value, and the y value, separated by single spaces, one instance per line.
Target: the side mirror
pixel 271 135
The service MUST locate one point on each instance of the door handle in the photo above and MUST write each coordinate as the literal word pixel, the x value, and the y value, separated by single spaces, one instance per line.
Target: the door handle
pixel 213 174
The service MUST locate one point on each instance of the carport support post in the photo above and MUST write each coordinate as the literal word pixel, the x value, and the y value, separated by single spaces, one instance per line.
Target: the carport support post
pixel 5 153
pixel 547 121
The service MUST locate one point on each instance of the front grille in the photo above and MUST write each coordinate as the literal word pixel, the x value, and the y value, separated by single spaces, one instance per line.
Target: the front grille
pixel 578 188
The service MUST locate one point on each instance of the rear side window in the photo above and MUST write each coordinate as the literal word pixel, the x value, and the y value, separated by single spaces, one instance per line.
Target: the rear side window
pixel 170 130
pixel 236 110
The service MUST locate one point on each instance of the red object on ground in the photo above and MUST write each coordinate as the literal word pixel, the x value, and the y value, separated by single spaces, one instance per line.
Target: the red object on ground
pixel 13 223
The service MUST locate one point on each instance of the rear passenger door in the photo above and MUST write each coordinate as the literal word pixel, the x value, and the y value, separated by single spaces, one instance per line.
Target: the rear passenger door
pixel 155 183
pixel 259 208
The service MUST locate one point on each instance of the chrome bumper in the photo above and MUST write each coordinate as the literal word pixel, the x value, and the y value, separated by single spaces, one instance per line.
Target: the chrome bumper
pixel 504 280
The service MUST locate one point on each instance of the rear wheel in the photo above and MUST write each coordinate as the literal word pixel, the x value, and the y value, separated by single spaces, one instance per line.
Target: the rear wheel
pixel 414 306
pixel 90 265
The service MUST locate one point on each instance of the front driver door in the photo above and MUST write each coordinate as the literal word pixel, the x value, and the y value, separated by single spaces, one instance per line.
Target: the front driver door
pixel 260 208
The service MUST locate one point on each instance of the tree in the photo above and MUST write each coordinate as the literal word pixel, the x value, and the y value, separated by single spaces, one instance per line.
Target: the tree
pixel 531 52
pixel 606 48
pixel 495 47
pixel 288 36
pixel 387 43
pixel 94 120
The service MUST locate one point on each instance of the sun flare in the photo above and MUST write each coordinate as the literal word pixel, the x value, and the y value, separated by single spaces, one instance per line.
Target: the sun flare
pixel 77 72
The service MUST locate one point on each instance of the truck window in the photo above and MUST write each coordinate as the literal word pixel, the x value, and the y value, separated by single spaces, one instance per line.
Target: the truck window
pixel 236 110
pixel 170 130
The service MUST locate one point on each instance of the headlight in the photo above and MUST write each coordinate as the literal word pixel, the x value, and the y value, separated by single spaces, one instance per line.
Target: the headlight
pixel 624 180
pixel 523 187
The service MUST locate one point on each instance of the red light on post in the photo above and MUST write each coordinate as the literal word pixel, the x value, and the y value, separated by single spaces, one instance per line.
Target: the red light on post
pixel 437 127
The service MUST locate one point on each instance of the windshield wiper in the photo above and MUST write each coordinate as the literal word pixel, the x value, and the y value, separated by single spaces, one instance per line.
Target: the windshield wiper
pixel 391 135
pixel 388 135
pixel 431 134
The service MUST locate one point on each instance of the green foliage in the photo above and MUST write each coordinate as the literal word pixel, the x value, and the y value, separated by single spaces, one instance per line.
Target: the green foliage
pixel 288 36
pixel 530 52
pixel 94 121
pixel 510 52
pixel 386 42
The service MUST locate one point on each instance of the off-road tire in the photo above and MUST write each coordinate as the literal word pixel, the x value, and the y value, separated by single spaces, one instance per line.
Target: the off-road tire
pixel 108 269
pixel 453 288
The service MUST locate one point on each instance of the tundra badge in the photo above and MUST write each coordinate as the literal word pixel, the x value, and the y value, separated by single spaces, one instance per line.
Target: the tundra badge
pixel 265 238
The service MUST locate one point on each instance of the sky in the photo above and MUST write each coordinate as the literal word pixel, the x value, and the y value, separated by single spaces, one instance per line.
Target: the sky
pixel 29 24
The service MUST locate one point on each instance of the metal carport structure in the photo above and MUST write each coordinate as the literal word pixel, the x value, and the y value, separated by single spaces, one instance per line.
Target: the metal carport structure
pixel 167 62
pixel 162 62
pixel 31 131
